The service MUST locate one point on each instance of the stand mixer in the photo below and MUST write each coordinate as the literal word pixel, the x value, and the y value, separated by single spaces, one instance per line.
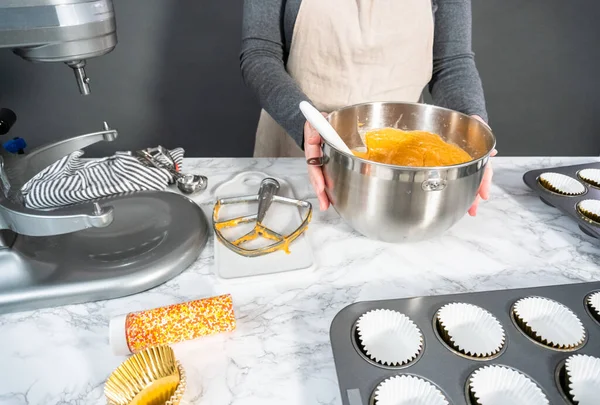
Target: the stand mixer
pixel 94 251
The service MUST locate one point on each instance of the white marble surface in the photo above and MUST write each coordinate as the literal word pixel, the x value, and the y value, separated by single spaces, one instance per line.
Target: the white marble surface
pixel 280 352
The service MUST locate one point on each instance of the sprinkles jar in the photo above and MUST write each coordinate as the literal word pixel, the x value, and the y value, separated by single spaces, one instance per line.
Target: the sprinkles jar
pixel 137 331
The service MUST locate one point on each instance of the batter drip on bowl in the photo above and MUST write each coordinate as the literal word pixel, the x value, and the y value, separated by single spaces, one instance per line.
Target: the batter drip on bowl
pixel 411 148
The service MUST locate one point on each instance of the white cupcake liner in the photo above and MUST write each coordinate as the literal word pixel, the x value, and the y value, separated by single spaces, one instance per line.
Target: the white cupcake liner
pixel 389 337
pixel 593 303
pixel 549 322
pixel 559 183
pixel 470 330
pixel 583 378
pixel 499 385
pixel 590 209
pixel 408 390
pixel 590 176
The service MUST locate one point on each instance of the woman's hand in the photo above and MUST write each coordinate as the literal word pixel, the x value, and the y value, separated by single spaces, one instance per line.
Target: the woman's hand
pixel 486 182
pixel 312 149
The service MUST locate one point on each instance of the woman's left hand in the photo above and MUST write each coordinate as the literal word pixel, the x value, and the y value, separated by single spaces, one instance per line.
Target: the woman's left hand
pixel 486 183
pixel 312 149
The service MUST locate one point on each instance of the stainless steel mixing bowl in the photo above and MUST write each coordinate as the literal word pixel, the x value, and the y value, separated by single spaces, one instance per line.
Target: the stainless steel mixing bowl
pixel 398 203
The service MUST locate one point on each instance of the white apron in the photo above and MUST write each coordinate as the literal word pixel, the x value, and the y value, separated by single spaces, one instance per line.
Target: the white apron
pixel 347 52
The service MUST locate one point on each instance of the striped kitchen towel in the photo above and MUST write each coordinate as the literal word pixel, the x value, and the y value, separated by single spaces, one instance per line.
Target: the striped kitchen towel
pixel 73 180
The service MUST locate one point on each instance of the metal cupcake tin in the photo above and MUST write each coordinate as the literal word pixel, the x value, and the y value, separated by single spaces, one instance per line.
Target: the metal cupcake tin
pixel 567 204
pixel 448 370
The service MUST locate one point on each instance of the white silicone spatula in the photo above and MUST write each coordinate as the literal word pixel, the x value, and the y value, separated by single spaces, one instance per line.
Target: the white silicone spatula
pixel 323 126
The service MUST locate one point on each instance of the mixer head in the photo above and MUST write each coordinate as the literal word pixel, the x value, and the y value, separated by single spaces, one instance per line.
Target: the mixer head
pixel 266 196
pixel 68 31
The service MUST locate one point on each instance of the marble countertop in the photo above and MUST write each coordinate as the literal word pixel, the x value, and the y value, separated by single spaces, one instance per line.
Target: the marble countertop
pixel 280 352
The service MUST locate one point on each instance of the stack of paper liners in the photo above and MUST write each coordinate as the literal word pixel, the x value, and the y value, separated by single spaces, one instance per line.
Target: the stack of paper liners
pixel 136 331
pixel 152 376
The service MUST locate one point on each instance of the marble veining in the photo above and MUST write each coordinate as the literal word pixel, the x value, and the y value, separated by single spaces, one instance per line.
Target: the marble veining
pixel 280 352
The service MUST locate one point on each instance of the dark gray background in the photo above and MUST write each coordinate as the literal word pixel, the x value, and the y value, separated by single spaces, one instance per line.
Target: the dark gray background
pixel 174 80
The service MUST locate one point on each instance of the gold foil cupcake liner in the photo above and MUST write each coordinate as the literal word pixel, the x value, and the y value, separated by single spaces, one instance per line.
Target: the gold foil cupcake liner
pixel 470 330
pixel 549 323
pixel 181 387
pixel 561 184
pixel 389 338
pixel 593 304
pixel 590 210
pixel 590 176
pixel 151 376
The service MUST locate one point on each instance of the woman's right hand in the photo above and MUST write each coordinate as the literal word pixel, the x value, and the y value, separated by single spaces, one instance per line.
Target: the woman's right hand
pixel 312 149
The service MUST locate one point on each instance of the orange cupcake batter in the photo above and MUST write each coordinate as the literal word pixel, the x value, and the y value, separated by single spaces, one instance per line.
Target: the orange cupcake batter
pixel 411 148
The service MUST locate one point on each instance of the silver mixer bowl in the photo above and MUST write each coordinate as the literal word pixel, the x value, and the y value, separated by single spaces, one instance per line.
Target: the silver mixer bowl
pixel 398 203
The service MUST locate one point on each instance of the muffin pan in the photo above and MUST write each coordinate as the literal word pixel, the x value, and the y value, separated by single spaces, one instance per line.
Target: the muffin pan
pixel 574 190
pixel 519 357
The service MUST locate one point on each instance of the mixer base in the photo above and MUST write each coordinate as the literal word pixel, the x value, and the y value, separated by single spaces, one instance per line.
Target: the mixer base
pixel 154 237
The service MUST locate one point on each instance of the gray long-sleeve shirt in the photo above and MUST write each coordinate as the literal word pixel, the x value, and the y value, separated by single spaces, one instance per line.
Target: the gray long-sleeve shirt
pixel 267 31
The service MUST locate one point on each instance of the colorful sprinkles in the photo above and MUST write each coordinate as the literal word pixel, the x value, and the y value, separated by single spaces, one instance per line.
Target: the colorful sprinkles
pixel 179 322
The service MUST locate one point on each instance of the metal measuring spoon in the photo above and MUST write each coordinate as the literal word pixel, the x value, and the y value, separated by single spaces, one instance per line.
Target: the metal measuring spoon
pixel 191 183
pixel 186 183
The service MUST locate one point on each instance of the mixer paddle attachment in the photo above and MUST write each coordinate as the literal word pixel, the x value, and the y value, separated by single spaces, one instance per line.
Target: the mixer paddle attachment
pixel 267 195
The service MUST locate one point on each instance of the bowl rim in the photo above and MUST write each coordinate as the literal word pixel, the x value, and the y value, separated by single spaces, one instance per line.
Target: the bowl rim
pixel 414 168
